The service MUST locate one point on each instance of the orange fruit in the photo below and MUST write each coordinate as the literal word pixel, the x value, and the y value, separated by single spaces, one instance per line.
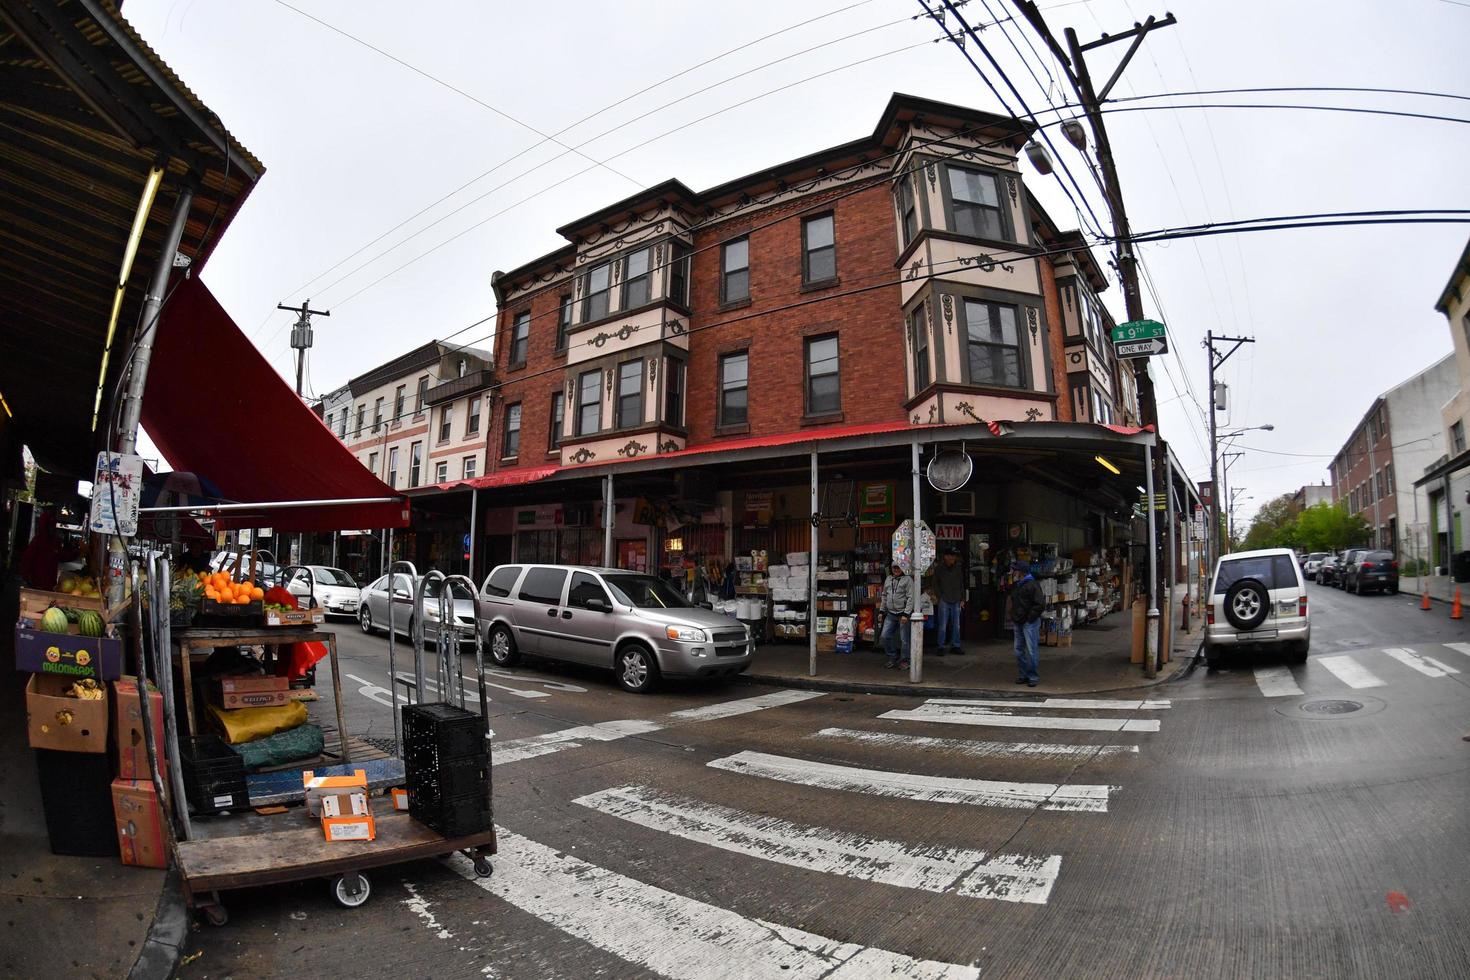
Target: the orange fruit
pixel 257 593
pixel 210 593
pixel 242 600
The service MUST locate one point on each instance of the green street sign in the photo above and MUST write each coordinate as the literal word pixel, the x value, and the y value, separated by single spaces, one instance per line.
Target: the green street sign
pixel 1137 330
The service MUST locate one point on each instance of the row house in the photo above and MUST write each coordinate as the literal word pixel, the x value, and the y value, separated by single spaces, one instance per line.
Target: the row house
pixel 1446 481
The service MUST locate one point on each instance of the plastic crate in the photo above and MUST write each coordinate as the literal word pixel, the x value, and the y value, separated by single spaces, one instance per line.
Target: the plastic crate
pixel 436 732
pixel 454 818
pixel 76 795
pixel 452 779
pixel 214 775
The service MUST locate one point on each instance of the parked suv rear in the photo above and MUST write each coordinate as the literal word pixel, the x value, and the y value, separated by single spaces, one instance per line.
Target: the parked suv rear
pixel 635 624
pixel 1258 599
pixel 1374 571
pixel 1349 558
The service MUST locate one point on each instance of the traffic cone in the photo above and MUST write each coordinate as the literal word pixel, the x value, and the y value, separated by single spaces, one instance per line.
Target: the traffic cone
pixel 1424 601
pixel 1455 609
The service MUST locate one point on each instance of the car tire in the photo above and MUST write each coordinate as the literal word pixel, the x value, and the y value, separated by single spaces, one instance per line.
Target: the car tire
pixel 1358 587
pixel 1299 651
pixel 1247 603
pixel 365 620
pixel 636 669
pixel 1392 590
pixel 503 652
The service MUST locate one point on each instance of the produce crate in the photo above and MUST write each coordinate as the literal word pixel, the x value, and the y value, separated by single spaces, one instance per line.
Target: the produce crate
pixel 35 602
pixel 433 733
pixel 228 614
pixel 214 775
pixel 66 653
pixel 452 779
pixel 454 818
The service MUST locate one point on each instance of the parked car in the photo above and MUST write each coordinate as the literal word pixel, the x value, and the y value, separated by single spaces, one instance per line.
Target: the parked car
pixel 1258 600
pixel 270 572
pixel 336 593
pixel 1349 558
pixel 1313 562
pixel 372 614
pixel 1374 571
pixel 1327 571
pixel 637 625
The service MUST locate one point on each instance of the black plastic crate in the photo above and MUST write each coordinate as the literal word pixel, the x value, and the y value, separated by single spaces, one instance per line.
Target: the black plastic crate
pixel 214 775
pixel 454 818
pixel 439 731
pixel 76 796
pixel 452 779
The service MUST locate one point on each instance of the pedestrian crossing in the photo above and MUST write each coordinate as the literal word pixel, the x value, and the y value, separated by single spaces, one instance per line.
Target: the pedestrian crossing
pixel 1361 670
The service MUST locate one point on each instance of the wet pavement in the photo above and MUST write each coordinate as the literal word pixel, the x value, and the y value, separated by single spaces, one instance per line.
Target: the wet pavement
pixel 1267 819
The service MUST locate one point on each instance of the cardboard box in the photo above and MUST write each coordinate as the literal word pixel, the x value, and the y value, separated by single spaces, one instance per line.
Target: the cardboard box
pixel 349 828
pixel 35 602
pixel 127 728
pixel 400 799
pixel 67 724
pixel 345 805
pixel 67 654
pixel 253 692
pixel 299 617
pixel 139 823
pixel 318 787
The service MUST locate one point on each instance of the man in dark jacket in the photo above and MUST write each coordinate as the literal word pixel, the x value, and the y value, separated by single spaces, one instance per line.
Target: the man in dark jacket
pixel 1027 603
pixel 949 584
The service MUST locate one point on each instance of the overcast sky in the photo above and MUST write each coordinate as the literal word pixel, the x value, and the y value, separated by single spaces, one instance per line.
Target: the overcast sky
pixel 355 143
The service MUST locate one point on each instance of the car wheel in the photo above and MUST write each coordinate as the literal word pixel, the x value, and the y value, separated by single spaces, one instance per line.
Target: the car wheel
pixel 503 646
pixel 636 669
pixel 1358 587
pixel 1393 590
pixel 1246 604
pixel 365 620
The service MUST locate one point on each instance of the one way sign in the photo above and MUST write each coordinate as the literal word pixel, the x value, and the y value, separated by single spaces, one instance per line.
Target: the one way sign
pixel 1142 348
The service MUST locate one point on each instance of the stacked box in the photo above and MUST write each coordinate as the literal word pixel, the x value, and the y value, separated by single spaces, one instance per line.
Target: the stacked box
pixel 447 764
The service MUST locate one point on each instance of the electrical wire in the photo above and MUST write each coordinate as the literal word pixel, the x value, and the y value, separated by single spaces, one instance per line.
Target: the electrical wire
pixel 1263 90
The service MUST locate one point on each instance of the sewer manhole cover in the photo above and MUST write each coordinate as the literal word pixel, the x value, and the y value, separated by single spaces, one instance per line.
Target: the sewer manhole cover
pixel 1332 707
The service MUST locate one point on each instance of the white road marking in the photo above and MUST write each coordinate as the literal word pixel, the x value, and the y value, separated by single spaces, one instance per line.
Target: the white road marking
pixel 673 936
pixel 517 749
pixel 1459 648
pixel 554 685
pixel 419 906
pixel 995 719
pixel 1349 671
pixel 958 871
pixel 469 682
pixel 372 691
pixel 1427 666
pixel 728 709
pixel 913 786
pixel 1277 682
pixel 1086 704
pixel 989 750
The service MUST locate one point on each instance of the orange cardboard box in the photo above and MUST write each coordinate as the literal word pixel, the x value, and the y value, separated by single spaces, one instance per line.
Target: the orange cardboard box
pixel 253 692
pixel 320 786
pixel 139 824
pixel 127 728
pixel 349 828
pixel 400 799
pixel 56 721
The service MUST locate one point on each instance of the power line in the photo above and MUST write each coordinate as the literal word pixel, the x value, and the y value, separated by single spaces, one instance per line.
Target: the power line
pixel 1303 107
pixel 1258 90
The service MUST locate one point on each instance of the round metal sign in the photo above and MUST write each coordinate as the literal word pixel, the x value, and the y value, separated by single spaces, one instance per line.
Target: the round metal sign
pixel 949 470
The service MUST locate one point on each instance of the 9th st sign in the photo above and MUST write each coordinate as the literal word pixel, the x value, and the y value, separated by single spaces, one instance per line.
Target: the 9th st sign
pixel 1140 338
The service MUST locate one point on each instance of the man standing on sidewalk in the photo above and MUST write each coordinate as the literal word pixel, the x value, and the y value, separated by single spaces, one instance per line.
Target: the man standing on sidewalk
pixel 1027 603
pixel 897 605
pixel 949 583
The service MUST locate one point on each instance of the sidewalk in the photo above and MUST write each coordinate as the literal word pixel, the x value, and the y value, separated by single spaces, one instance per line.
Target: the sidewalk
pixel 1096 662
pixel 1441 587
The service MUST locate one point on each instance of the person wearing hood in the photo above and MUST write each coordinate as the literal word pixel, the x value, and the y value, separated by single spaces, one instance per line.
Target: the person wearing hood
pixel 1027 604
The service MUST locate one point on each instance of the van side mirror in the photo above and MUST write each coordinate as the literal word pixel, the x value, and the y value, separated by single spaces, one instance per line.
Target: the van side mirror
pixel 598 605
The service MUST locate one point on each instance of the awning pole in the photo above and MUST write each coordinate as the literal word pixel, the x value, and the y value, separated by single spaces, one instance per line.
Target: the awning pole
pixel 607 521
pixel 334 548
pixel 811 575
pixel 1168 620
pixel 474 530
pixel 1151 651
pixel 132 408
pixel 916 622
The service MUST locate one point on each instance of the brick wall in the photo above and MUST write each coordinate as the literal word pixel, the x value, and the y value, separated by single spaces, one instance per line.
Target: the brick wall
pixel 532 386
pixel 1057 332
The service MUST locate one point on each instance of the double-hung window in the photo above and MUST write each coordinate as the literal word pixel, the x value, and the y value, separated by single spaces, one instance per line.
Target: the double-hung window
pixel 735 271
pixel 908 209
pixel 377 414
pixel 558 419
pixel 512 443
pixel 734 388
pixel 819 250
pixel 415 463
pixel 446 422
pixel 674 392
pixel 468 467
pixel 330 426
pixel 342 432
pixel 361 411
pixel 637 279
pixel 1457 437
pixel 630 394
pixel 823 384
pixel 992 344
pixel 919 330
pixel 441 471
pixel 599 283
pixel 472 424
pixel 678 273
pixel 520 338
pixel 975 203
pixel 563 321
pixel 589 402
pixel 393 467
pixel 373 463
pixel 398 403
pixel 423 395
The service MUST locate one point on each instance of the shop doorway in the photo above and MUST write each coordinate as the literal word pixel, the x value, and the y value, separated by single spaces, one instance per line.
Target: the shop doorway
pixel 633 554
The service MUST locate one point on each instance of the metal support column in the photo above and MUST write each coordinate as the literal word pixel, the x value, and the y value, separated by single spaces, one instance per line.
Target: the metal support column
pixel 474 531
pixel 1151 631
pixel 607 521
pixel 916 624
pixel 811 606
pixel 1173 517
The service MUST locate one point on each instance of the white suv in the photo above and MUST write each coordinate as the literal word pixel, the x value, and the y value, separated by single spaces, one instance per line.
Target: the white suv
pixel 1258 599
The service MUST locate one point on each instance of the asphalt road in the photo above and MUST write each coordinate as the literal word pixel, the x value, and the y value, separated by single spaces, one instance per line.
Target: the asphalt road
pixel 1265 820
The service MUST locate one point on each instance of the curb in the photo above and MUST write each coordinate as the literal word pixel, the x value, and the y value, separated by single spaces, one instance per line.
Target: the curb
pixel 159 957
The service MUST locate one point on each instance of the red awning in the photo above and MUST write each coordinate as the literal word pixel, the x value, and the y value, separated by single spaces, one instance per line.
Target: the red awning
pixel 215 407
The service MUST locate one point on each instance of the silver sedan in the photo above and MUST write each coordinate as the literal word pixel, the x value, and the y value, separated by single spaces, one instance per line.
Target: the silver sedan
pixel 373 612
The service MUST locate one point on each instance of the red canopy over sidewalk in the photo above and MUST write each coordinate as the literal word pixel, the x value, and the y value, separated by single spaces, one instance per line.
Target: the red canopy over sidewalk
pixel 213 406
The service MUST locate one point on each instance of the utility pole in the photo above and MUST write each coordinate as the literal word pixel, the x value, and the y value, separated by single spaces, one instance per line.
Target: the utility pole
pixel 301 333
pixel 1217 359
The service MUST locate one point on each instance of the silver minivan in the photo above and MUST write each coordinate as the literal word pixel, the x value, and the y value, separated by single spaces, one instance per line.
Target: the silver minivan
pixel 1258 599
pixel 638 625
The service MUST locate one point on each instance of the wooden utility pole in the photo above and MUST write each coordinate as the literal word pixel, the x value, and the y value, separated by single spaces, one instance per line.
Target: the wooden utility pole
pixel 301 333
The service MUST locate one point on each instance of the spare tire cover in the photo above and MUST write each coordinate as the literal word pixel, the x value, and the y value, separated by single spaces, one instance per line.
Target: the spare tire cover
pixel 1246 604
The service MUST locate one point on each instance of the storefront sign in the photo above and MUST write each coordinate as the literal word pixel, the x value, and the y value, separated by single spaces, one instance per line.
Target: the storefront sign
pixel 759 507
pixel 115 494
pixel 875 505
pixel 539 518
pixel 949 532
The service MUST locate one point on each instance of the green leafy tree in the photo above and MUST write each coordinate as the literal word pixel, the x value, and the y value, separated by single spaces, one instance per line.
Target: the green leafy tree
pixel 1274 525
pixel 1329 527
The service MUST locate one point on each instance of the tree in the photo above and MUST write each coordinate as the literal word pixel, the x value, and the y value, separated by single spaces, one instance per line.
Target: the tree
pixel 1274 525
pixel 1329 527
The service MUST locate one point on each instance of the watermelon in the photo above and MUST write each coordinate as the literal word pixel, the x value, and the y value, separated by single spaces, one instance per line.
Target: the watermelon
pixel 89 623
pixel 54 621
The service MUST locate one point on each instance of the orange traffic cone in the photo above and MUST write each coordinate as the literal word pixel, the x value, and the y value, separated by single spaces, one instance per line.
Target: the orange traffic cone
pixel 1424 601
pixel 1455 609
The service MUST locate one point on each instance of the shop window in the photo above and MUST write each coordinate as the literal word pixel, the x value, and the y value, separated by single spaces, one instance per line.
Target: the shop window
pixel 558 419
pixel 583 588
pixel 919 330
pixel 415 463
pixel 823 383
pixel 441 472
pixel 520 338
pixel 398 400
pixel 469 467
pixel 512 444
pixel 734 386
pixel 974 203
pixel 908 209
pixel 599 283
pixel 589 402
pixel 630 394
pixel 993 345
pixel 679 273
pixel 393 467
pixel 818 250
pixel 674 392
pixel 637 279
pixel 472 424
pixel 735 271
pixel 543 585
pixel 377 415
pixel 422 396
pixel 563 321
pixel 446 422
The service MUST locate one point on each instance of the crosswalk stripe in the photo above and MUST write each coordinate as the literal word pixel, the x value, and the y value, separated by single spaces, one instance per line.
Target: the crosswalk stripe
pixel 1277 682
pixel 954 715
pixel 1427 666
pixel 671 935
pixel 1349 671
pixel 1085 704
pixel 1459 648
pixel 913 786
pixel 728 709
pixel 518 749
pixel 965 746
pixel 958 871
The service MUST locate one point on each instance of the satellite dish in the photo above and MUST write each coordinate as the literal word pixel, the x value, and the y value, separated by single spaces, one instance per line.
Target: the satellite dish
pixel 950 470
